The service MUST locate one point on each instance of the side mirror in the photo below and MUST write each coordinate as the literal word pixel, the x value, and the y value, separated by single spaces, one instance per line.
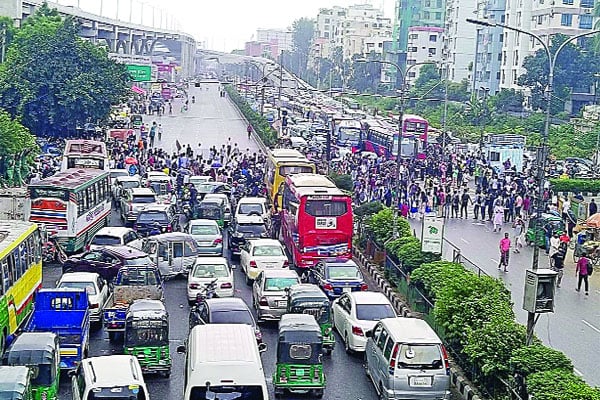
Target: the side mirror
pixel 262 347
pixel 369 333
pixel 181 349
pixel 233 266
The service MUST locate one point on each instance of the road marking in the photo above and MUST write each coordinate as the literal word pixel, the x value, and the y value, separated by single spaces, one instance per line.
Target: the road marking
pixel 495 261
pixel 464 241
pixel 578 372
pixel 590 325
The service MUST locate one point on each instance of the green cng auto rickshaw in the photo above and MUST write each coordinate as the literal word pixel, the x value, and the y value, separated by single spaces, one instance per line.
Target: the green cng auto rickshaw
pixel 15 383
pixel 39 351
pixel 299 363
pixel 537 231
pixel 147 336
pixel 307 298
pixel 210 210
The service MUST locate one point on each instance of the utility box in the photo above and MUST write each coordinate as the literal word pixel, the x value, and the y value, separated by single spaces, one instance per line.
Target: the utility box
pixel 538 296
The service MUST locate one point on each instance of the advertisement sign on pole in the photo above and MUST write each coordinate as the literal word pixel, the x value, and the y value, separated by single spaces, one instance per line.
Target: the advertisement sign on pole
pixel 432 234
pixel 140 73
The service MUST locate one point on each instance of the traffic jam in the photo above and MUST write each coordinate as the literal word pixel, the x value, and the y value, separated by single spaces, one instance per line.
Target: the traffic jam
pixel 277 223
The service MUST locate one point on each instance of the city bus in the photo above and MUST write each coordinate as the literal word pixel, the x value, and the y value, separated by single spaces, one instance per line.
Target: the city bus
pixel 74 204
pixel 85 154
pixel 20 275
pixel 281 163
pixel 346 132
pixel 415 130
pixel 316 220
pixel 382 138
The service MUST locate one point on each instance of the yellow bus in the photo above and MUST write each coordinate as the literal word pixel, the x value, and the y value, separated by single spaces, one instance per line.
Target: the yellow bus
pixel 281 163
pixel 20 274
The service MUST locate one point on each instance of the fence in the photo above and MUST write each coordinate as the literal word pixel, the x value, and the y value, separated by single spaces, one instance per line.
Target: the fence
pixel 451 252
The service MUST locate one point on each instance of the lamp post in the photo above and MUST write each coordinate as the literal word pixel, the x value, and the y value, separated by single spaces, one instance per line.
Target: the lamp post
pixel 403 76
pixel 543 154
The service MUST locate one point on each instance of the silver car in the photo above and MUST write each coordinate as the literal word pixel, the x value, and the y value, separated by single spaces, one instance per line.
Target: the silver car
pixel 208 236
pixel 269 297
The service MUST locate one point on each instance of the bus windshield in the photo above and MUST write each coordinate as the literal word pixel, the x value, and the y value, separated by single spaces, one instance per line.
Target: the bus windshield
pixel 286 170
pixel 349 134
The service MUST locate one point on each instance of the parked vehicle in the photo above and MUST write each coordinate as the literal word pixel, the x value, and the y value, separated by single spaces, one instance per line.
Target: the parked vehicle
pixel 208 236
pixel 132 283
pixel 101 377
pixel 173 253
pixel 245 227
pixel 269 296
pixel 406 359
pixel 112 236
pixel 260 254
pixel 39 351
pixel 96 288
pixel 231 310
pixel 309 299
pixel 147 336
pixel 228 365
pixel 66 313
pixel 299 356
pixel 355 313
pixel 205 271
pixel 335 277
pixel 106 261
pixel 15 383
pixel 133 201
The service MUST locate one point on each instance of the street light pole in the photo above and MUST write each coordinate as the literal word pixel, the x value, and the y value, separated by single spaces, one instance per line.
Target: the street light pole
pixel 542 157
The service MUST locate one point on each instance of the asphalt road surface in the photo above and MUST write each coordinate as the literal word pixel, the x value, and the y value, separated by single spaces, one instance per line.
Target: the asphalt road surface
pixel 573 328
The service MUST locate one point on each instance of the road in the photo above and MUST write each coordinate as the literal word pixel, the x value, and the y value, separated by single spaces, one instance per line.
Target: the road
pixel 574 327
pixel 210 121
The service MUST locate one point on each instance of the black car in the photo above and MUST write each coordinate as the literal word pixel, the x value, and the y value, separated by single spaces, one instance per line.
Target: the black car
pixel 158 217
pixel 228 310
pixel 106 261
pixel 245 227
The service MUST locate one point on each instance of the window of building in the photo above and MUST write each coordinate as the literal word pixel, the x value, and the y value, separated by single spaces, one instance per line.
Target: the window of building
pixel 587 3
pixel 514 73
pixel 432 51
pixel 412 49
pixel 502 18
pixel 585 21
pixel 413 36
pixel 516 61
pixel 501 38
pixel 569 2
pixel 326 35
pixel 412 74
pixel 498 75
pixel 566 19
pixel 499 56
pixel 433 38
pixel 327 20
pixel 438 16
pixel 426 15
pixel 503 77
pixel 427 3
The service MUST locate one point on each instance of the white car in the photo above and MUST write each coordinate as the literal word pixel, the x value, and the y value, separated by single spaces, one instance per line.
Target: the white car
pixel 205 271
pixel 355 313
pixel 115 173
pixel 96 287
pixel 253 206
pixel 257 255
pixel 112 236
pixel 199 179
pixel 122 183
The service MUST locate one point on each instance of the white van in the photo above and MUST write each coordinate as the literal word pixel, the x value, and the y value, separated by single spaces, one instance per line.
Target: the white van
pixel 223 359
pixel 107 377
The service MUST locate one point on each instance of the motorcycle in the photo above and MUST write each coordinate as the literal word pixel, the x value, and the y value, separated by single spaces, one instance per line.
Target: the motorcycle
pixel 53 252
pixel 208 292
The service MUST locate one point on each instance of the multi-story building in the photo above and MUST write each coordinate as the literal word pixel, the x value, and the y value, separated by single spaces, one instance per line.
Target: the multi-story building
pixel 327 30
pixel 362 33
pixel 460 39
pixel 425 44
pixel 488 47
pixel 269 43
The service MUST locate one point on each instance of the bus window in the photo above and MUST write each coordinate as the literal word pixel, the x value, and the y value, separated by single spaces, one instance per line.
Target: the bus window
pixel 4 277
pixel 31 251
pixel 24 258
pixel 326 208
pixel 17 265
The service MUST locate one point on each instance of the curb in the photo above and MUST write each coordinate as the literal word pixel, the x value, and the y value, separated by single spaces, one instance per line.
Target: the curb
pixel 456 379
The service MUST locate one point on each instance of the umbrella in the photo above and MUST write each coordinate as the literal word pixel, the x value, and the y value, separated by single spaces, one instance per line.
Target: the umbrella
pixel 131 160
pixel 216 165
pixel 593 221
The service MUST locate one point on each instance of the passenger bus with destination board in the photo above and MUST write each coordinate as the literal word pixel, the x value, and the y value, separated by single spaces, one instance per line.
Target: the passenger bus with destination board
pixel 85 154
pixel 316 220
pixel 74 204
pixel 20 275
pixel 382 138
pixel 346 131
pixel 281 163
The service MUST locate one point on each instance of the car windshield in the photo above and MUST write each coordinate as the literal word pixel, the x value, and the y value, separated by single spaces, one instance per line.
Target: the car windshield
pixel 88 286
pixel 248 208
pixel 231 317
pixel 116 174
pixel 267 251
pixel 202 230
pixel 153 216
pixel 210 271
pixel 336 272
pixel 143 199
pixel 106 240
pixel 138 276
pixel 278 284
pixel 226 393
pixel 374 312
pixel 143 261
pixel 256 229
pixel 426 356
pixel 205 188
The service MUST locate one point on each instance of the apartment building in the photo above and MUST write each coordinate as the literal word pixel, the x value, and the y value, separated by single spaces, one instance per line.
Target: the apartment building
pixel 425 44
pixel 460 39
pixel 269 43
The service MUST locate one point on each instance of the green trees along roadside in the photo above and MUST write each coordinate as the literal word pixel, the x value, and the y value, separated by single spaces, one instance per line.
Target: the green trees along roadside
pixel 17 149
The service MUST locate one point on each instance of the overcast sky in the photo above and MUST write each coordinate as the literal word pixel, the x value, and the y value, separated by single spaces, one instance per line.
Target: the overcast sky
pixel 223 25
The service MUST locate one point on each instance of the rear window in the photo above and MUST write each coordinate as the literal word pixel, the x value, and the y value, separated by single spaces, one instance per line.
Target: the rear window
pixel 88 286
pixel 278 284
pixel 246 209
pixel 204 230
pixel 326 208
pixel 130 184
pixel 232 317
pixel 153 216
pixel 105 240
pixel 267 251
pixel 426 356
pixel 343 272
pixel 374 312
pixel 142 261
pixel 211 271
pixel 143 199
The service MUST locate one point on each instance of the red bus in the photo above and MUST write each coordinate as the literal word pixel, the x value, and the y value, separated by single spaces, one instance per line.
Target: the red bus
pixel 316 220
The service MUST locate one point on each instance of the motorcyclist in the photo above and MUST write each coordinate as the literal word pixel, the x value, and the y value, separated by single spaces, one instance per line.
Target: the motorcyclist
pixel 155 229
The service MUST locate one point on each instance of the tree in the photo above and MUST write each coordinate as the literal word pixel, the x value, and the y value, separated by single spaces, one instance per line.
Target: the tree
pixel 54 81
pixel 365 76
pixel 7 33
pixel 303 30
pixel 16 146
pixel 507 100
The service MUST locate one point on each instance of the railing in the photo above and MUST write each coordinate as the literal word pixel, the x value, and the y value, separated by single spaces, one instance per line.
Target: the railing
pixel 451 252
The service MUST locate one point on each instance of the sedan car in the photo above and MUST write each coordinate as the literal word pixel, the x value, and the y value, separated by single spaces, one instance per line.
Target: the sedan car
pixel 96 287
pixel 106 261
pixel 112 236
pixel 269 296
pixel 157 217
pixel 205 271
pixel 208 236
pixel 261 254
pixel 232 310
pixel 244 227
pixel 335 277
pixel 358 312
pixel 132 201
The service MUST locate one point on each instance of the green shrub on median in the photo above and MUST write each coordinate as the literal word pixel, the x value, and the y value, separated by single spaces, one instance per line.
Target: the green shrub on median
pixel 575 185
pixel 558 384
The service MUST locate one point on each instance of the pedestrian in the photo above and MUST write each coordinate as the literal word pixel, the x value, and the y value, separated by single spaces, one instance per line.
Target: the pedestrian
pixel 249 130
pixel 558 263
pixel 498 216
pixel 464 202
pixel 554 246
pixel 160 132
pixel 582 271
pixel 518 230
pixel 504 252
pixel 592 207
pixel 153 133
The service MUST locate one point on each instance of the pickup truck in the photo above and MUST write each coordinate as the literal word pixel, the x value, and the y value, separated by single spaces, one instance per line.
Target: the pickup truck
pixel 66 313
pixel 131 283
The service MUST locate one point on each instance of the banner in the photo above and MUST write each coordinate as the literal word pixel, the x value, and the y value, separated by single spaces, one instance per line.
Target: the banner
pixel 432 234
pixel 138 90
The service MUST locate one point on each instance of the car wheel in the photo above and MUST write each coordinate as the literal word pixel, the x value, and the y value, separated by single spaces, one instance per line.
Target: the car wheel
pixel 318 393
pixel 347 345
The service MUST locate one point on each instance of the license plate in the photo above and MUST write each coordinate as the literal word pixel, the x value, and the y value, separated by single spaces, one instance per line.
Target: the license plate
pixel 346 290
pixel 299 372
pixel 420 381
pixel 204 244
pixel 282 303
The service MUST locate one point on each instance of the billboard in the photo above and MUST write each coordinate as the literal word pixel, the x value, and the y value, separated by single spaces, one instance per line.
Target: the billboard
pixel 140 73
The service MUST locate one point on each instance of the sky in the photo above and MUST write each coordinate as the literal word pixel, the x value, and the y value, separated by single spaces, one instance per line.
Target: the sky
pixel 223 25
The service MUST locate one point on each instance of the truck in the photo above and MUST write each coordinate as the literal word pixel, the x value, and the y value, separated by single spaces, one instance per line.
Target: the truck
pixel 504 151
pixel 64 312
pixel 131 283
pixel 12 203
